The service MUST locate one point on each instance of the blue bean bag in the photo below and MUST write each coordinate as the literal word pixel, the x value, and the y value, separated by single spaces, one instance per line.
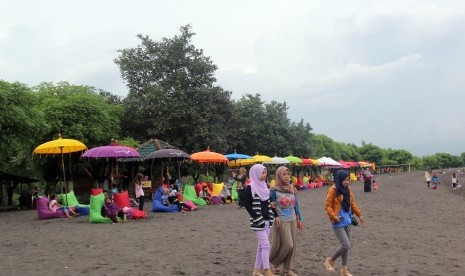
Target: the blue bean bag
pixel 157 203
pixel 82 210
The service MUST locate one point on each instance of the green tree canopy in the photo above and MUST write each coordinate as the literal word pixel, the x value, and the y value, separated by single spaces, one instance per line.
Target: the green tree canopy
pixel 79 112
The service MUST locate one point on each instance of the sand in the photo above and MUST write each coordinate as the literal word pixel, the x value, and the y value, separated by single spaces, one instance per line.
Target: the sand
pixel 411 230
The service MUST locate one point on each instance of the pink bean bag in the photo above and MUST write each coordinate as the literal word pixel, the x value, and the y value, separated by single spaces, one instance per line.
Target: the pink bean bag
pixel 44 212
pixel 190 206
pixel 319 185
pixel 311 185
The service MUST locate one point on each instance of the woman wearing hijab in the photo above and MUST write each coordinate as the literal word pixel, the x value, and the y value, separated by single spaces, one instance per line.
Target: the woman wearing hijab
pixel 284 241
pixel 340 205
pixel 257 203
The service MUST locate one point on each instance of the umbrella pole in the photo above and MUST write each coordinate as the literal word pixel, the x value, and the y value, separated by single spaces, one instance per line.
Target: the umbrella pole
pixel 64 175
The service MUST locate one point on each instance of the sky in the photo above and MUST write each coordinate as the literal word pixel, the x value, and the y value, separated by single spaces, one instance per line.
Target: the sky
pixel 390 73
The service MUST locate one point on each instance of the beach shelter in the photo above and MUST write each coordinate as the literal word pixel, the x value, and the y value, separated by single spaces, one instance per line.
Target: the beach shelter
pixel 294 159
pixel 328 162
pixel 112 151
pixel 60 146
pixel 277 161
pixel 233 157
pixel 168 155
pixel 209 157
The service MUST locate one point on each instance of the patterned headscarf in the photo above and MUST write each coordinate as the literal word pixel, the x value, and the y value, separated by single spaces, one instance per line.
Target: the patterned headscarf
pixel 257 185
pixel 280 184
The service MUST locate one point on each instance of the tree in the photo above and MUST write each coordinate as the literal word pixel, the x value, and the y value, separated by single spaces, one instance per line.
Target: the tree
pixel 372 153
pixel 80 112
pixel 21 121
pixel 172 94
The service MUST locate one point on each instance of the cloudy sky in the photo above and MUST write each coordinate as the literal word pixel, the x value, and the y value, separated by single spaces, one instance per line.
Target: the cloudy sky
pixel 389 73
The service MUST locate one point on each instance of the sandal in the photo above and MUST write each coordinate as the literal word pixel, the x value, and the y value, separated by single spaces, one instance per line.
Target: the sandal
pixel 328 265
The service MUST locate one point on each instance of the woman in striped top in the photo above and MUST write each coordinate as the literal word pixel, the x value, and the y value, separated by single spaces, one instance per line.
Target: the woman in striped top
pixel 257 204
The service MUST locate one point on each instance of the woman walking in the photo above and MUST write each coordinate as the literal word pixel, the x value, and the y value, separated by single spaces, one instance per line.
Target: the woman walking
pixel 257 203
pixel 340 205
pixel 284 240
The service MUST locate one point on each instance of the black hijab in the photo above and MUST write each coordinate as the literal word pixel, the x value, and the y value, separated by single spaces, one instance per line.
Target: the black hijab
pixel 341 175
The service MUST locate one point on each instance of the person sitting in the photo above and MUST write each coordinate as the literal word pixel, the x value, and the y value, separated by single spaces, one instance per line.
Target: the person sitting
pixel 169 198
pixel 225 195
pixel 55 206
pixel 205 195
pixel 113 212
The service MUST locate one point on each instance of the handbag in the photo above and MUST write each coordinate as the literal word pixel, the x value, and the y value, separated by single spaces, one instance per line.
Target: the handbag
pixel 352 217
pixel 354 220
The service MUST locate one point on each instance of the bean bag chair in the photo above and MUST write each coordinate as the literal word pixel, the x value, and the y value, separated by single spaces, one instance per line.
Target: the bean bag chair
pixel 319 185
pixel 96 203
pixel 198 188
pixel 44 213
pixel 157 203
pixel 217 187
pixel 71 200
pixel 216 200
pixel 191 195
pixel 305 179
pixel 94 191
pixel 190 206
pixel 352 177
pixel 122 200
pixel 311 185
pixel 82 210
pixel 234 194
pixel 272 183
pixel 294 179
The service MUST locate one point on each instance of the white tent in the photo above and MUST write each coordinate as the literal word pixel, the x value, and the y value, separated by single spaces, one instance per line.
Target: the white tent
pixel 277 161
pixel 328 161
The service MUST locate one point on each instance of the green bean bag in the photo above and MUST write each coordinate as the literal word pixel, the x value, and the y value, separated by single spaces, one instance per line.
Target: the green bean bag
pixel 69 200
pixel 234 194
pixel 96 203
pixel 191 195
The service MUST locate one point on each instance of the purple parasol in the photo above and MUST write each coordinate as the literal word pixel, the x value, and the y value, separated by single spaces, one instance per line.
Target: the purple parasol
pixel 111 151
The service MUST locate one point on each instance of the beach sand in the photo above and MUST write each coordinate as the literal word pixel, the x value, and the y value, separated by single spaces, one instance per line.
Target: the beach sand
pixel 411 230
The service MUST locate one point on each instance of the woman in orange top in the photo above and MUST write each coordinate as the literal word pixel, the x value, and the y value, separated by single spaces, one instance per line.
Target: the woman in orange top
pixel 340 205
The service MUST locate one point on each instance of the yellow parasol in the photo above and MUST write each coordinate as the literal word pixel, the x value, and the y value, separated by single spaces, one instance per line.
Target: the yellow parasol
pixel 60 146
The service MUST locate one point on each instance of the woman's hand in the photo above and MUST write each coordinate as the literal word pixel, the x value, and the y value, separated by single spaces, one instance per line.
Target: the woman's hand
pixel 362 221
pixel 277 221
pixel 300 225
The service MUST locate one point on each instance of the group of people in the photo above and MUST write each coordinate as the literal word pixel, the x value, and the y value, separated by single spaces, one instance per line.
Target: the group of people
pixel 277 210
pixel 432 180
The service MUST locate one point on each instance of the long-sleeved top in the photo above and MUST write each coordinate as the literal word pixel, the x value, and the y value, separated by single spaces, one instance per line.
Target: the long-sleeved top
pixel 138 188
pixel 259 211
pixel 333 204
pixel 287 205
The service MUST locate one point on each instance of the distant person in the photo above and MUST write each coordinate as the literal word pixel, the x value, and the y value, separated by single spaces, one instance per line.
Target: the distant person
pixel 257 203
pixel 205 195
pixel 225 195
pixel 112 211
pixel 427 178
pixel 340 206
pixel 139 190
pixel 454 181
pixel 374 185
pixel 55 206
pixel 241 178
pixel 367 180
pixel 435 180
